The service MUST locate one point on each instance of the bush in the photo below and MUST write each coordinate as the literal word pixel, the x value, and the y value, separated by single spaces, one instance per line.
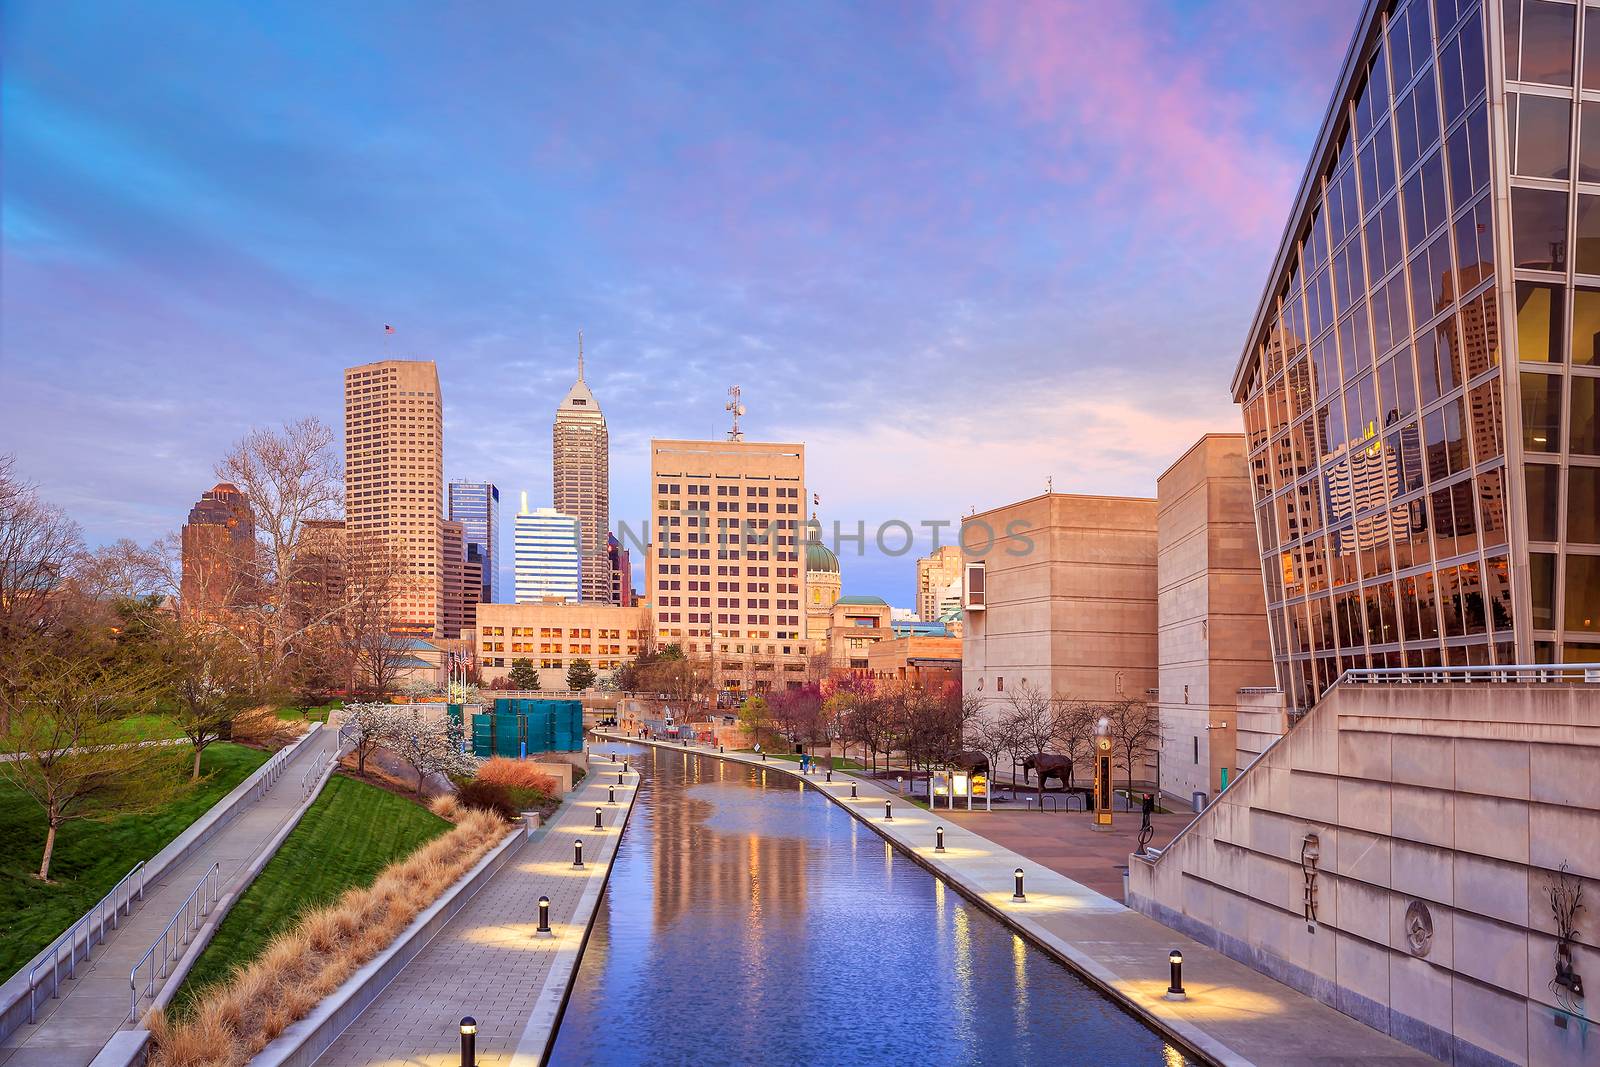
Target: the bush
pixel 446 806
pixel 488 796
pixel 515 773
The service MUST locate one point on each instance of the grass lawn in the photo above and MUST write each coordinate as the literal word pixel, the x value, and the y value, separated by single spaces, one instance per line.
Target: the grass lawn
pixel 352 832
pixel 840 763
pixel 90 856
pixel 153 726
pixel 295 713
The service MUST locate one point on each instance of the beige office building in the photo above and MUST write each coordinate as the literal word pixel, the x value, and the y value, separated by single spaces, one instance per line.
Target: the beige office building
pixel 1211 610
pixel 935 572
pixel 454 570
pixel 725 564
pixel 394 479
pixel 553 634
pixel 1060 592
pixel 581 479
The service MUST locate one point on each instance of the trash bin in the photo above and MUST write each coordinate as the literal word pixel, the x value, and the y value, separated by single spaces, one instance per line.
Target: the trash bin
pixel 1199 802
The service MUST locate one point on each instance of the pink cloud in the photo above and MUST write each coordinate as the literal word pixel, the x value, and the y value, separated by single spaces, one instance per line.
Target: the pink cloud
pixel 1155 115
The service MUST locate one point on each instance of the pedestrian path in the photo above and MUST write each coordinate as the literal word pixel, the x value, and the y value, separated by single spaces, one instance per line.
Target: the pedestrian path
pixel 1232 1014
pixel 489 962
pixel 72 1029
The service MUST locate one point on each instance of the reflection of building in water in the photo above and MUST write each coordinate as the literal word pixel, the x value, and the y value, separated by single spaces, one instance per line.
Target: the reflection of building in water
pixel 698 866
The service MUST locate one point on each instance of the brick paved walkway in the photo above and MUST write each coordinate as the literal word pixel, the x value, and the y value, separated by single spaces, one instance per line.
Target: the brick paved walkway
pixel 488 963
pixel 1234 1015
pixel 72 1030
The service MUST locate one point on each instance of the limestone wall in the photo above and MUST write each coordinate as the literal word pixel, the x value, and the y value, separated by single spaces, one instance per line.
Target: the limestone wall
pixel 1441 813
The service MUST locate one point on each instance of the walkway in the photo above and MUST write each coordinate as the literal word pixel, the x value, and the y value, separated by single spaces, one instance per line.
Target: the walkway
pixel 94 1006
pixel 488 963
pixel 1066 842
pixel 1233 1014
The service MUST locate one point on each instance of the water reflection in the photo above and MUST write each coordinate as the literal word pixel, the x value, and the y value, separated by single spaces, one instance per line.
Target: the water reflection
pixel 751 924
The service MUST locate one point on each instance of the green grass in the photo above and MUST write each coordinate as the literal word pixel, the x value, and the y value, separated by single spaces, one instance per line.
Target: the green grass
pixel 90 857
pixel 840 763
pixel 350 833
pixel 295 713
pixel 148 727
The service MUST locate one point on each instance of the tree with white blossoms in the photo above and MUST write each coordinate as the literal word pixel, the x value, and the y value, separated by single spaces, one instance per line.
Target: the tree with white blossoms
pixel 428 744
pixel 365 726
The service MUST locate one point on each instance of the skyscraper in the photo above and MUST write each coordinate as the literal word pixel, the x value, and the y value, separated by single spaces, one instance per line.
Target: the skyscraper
pixel 394 480
pixel 935 572
pixel 476 505
pixel 582 480
pixel 219 545
pixel 621 572
pixel 455 577
pixel 1425 469
pixel 548 559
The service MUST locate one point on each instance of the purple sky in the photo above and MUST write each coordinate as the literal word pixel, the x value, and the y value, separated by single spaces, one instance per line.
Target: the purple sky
pixel 954 248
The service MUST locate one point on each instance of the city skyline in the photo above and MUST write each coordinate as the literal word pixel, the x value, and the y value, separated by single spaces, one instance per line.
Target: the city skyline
pixel 994 282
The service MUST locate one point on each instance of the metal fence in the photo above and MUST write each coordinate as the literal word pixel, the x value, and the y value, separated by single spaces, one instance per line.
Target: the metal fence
pixel 195 907
pixel 1506 674
pixel 92 926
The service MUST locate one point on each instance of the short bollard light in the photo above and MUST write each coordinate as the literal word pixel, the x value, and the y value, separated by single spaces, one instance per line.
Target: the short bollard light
pixel 888 812
pixel 544 917
pixel 611 794
pixel 469 1042
pixel 1019 894
pixel 852 790
pixel 577 853
pixel 720 750
pixel 619 776
pixel 830 774
pixel 598 825
pixel 1175 990
pixel 938 839
pixel 763 757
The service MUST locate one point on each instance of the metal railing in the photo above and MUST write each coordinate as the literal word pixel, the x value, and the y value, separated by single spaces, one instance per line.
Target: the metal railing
pixel 195 907
pixel 1502 674
pixel 272 770
pixel 93 934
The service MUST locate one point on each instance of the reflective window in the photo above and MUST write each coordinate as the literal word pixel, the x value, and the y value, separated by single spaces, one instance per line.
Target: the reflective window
pixel 1480 334
pixel 1541 412
pixel 1587 241
pixel 1492 507
pixel 1539 318
pixel 1487 422
pixel 1543 135
pixel 1461 73
pixel 1431 291
pixel 1384 248
pixel 1542 586
pixel 1475 242
pixel 1469 157
pixel 1583 594
pixel 1583 429
pixel 1497 591
pixel 1377 166
pixel 1539 228
pixel 1591 50
pixel 1589 138
pixel 1583 505
pixel 1543 484
pixel 1424 198
pixel 1586 326
pixel 1547 42
pixel 1416 122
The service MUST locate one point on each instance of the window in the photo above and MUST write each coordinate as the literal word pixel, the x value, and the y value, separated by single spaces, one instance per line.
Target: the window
pixel 1583 505
pixel 1591 51
pixel 1547 37
pixel 1584 430
pixel 1583 593
pixel 1539 228
pixel 1539 318
pixel 1543 487
pixel 976 599
pixel 1542 585
pixel 1586 245
pixel 1541 412
pixel 1000 685
pixel 1543 135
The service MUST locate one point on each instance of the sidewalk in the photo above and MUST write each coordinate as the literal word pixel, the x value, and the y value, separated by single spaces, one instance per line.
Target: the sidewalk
pixel 72 1029
pixel 487 963
pixel 1233 1014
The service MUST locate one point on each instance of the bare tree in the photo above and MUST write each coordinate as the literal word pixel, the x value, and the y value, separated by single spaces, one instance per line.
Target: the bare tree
pixel 211 685
pixel 1032 723
pixel 1075 728
pixel 989 732
pixel 1132 728
pixel 39 547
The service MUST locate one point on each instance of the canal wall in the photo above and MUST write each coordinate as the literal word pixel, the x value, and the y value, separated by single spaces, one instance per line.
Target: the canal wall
pixel 1232 1014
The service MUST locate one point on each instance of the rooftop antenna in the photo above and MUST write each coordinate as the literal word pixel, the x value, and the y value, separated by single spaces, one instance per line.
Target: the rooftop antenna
pixel 580 355
pixel 1049 483
pixel 737 409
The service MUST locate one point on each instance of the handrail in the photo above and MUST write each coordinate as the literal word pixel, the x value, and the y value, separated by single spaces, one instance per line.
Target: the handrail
pixel 91 937
pixel 191 912
pixel 1503 674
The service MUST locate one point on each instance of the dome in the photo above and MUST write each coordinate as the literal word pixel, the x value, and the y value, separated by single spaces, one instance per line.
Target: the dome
pixel 819 557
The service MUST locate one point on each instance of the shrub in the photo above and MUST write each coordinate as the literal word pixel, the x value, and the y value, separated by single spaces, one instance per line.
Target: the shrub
pixel 446 806
pixel 488 796
pixel 516 773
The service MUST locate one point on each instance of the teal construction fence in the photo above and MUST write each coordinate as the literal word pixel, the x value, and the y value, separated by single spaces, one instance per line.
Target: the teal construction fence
pixel 517 728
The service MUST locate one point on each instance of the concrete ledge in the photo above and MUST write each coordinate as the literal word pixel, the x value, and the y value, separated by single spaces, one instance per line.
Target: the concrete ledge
pixel 127 1048
pixel 303 1042
pixel 14 993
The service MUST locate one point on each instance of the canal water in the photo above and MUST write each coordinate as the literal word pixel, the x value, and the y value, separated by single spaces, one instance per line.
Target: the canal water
pixel 748 921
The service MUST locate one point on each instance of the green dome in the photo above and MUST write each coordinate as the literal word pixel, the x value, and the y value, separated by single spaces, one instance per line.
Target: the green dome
pixel 819 557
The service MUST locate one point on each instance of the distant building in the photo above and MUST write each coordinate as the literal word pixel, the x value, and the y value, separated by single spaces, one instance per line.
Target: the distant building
pixel 219 546
pixel 472 586
pixel 476 506
pixel 935 572
pixel 552 634
pixel 320 567
pixel 548 559
pixel 455 574
pixel 394 480
pixel 1060 592
pixel 823 584
pixel 581 477
pixel 621 572
pixel 856 623
pixel 922 660
pixel 1211 613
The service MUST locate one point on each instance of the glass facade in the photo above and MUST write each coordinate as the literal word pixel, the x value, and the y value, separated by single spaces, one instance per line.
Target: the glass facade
pixel 476 506
pixel 1418 360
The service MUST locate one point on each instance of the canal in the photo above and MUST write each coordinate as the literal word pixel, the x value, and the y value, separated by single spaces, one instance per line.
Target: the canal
pixel 748 921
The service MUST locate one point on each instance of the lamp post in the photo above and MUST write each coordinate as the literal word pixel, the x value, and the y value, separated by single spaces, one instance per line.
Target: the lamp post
pixel 852 791
pixel 1018 894
pixel 888 812
pixel 544 918
pixel 938 839
pixel 598 825
pixel 611 794
pixel 1175 990
pixel 577 853
pixel 469 1041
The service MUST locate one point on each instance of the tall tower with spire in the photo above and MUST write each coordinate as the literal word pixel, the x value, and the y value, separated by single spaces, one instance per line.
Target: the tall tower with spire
pixel 581 477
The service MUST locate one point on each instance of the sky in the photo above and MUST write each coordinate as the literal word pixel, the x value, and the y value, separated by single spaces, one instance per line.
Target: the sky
pixel 960 250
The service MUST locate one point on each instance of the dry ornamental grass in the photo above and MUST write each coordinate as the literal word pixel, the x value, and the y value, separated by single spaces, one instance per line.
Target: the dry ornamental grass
pixel 235 1020
pixel 515 774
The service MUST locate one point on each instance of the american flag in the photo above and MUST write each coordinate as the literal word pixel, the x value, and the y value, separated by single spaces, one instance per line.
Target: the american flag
pixel 387 328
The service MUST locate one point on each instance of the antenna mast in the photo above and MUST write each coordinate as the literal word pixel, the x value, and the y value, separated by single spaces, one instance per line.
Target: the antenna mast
pixel 737 409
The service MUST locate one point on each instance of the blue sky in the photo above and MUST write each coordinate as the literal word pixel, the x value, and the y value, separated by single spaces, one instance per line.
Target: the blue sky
pixel 954 248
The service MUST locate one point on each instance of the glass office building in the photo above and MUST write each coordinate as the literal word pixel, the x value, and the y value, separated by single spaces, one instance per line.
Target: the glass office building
pixel 1420 381
pixel 476 506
